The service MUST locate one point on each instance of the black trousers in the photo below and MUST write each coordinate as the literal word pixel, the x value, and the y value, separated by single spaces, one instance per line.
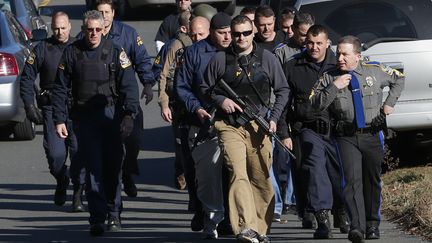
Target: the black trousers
pixel 362 155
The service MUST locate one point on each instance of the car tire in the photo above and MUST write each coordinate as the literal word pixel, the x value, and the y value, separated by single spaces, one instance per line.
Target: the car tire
pixel 25 130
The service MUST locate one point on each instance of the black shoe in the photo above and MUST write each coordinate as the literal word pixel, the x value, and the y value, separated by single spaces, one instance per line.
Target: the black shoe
pixel 248 236
pixel 264 239
pixel 60 192
pixel 372 233
pixel 356 236
pixel 323 230
pixel 96 229
pixel 197 222
pixel 308 221
pixel 341 221
pixel 129 186
pixel 77 205
pixel 224 228
pixel 113 224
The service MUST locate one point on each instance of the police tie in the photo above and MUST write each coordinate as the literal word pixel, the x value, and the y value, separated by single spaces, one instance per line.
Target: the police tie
pixel 357 99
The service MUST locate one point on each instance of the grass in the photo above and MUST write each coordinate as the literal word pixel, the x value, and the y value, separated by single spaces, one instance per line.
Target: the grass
pixel 407 199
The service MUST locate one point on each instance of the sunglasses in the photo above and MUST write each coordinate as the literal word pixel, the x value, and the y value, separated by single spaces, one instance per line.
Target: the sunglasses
pixel 244 33
pixel 91 30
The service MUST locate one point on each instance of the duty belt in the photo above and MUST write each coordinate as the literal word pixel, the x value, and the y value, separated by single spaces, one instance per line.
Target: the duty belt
pixel 318 126
pixel 349 129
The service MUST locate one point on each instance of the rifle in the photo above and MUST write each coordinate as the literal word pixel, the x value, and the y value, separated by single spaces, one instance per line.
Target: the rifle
pixel 250 112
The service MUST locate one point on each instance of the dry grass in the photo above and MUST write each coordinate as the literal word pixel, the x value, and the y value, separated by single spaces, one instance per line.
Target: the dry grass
pixel 407 199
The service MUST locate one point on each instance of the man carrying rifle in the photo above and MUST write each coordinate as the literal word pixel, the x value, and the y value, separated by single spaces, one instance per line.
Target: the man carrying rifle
pixel 251 72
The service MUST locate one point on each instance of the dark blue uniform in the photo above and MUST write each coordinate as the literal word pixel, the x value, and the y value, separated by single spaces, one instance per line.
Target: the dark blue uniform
pixel 44 59
pixel 127 37
pixel 189 78
pixel 103 89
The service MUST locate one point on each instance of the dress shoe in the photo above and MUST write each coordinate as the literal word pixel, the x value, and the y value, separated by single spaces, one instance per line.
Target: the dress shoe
pixel 77 205
pixel 356 236
pixel 341 221
pixel 197 222
pixel 96 229
pixel 323 230
pixel 129 186
pixel 372 233
pixel 113 224
pixel 308 221
pixel 60 192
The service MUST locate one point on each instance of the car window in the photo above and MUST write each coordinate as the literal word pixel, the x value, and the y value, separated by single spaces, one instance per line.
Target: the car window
pixel 369 20
pixel 5 5
pixel 30 7
pixel 17 31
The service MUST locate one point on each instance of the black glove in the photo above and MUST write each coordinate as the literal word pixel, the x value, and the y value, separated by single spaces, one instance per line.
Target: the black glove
pixel 33 114
pixel 147 93
pixel 378 122
pixel 126 126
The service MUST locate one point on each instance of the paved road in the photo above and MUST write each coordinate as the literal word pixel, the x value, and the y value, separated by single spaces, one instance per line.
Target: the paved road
pixel 158 214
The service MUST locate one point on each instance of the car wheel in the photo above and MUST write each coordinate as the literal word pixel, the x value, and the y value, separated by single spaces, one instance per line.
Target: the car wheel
pixel 25 130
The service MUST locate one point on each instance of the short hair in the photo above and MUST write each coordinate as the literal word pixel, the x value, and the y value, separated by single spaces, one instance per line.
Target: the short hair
pixel 264 11
pixel 288 13
pixel 240 19
pixel 59 14
pixel 303 18
pixel 317 29
pixel 184 18
pixel 248 10
pixel 350 39
pixel 93 15
pixel 100 2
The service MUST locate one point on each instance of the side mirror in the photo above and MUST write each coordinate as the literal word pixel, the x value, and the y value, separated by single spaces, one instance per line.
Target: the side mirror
pixel 39 34
pixel 45 11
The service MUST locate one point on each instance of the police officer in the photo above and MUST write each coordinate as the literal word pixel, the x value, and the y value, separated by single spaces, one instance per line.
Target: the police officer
pixel 96 78
pixel 296 44
pixel 128 38
pixel 44 59
pixel 171 110
pixel 319 164
pixel 170 25
pixel 208 165
pixel 353 94
pixel 267 37
pixel 251 72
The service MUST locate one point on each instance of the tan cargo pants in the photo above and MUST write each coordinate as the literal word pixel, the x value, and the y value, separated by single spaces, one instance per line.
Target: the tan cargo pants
pixel 248 155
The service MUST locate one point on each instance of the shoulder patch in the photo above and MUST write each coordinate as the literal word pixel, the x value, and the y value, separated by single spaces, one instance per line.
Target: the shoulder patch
pixel 124 60
pixel 61 66
pixel 31 58
pixel 139 41
pixel 157 60
pixel 388 70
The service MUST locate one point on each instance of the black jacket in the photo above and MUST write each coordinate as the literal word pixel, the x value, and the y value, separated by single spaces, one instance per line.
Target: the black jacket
pixel 302 76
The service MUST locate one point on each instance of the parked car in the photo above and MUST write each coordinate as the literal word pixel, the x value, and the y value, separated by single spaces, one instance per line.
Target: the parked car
pixel 123 6
pixel 27 14
pixel 14 49
pixel 396 33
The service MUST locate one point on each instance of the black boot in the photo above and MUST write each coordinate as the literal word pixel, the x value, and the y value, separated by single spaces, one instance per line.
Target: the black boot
pixel 341 221
pixel 323 230
pixel 61 188
pixel 129 186
pixel 77 205
pixel 308 221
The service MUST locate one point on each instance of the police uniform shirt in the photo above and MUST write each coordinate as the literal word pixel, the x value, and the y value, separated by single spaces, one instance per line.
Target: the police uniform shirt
pixel 34 64
pixel 372 78
pixel 191 74
pixel 271 67
pixel 168 28
pixel 127 37
pixel 125 78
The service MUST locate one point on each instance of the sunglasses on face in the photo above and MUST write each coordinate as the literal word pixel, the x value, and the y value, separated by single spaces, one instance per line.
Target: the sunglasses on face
pixel 244 33
pixel 91 30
